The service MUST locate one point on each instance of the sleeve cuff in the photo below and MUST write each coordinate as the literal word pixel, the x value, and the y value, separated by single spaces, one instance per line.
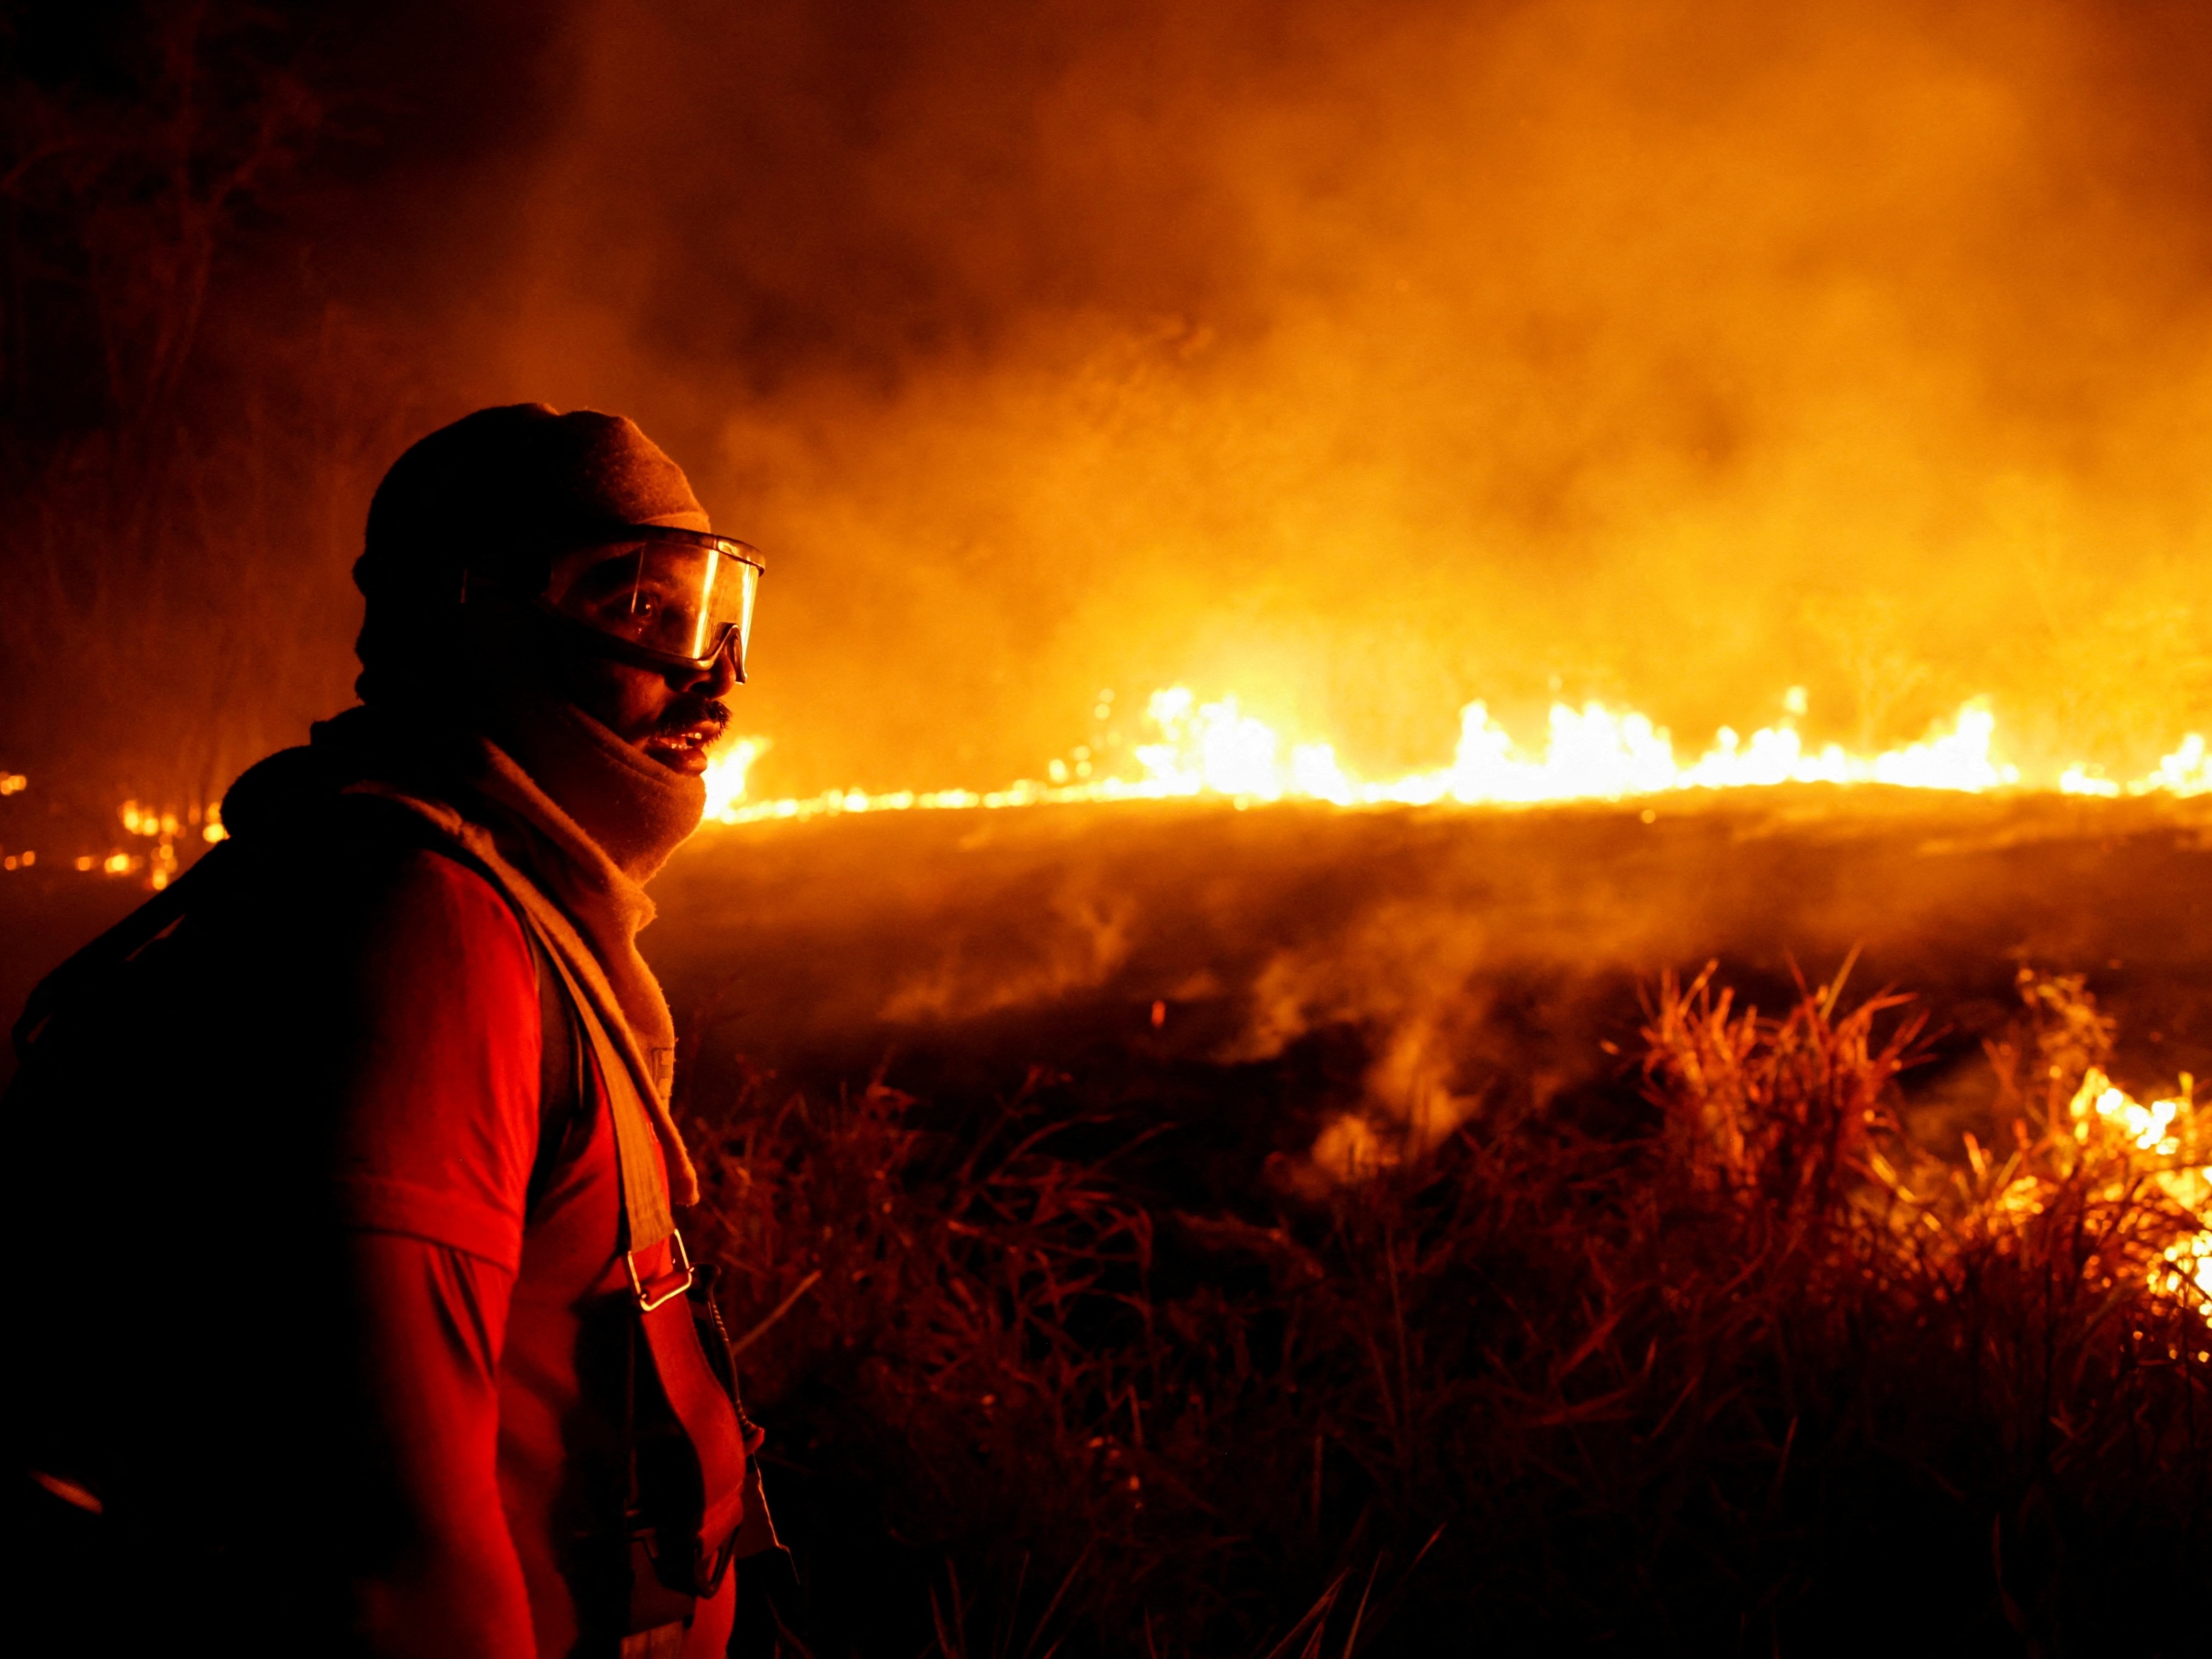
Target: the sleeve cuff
pixel 373 1204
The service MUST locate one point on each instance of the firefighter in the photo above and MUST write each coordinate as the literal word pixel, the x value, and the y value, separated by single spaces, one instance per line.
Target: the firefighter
pixel 371 1327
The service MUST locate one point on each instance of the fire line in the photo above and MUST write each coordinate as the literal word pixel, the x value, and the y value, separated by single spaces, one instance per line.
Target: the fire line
pixel 1590 753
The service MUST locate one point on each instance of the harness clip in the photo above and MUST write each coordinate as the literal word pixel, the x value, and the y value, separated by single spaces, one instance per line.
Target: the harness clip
pixel 681 1274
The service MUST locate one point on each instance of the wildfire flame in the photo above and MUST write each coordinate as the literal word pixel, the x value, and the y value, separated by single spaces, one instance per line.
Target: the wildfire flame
pixel 1216 748
pixel 725 776
pixel 2116 1141
pixel 2165 1131
pixel 1590 753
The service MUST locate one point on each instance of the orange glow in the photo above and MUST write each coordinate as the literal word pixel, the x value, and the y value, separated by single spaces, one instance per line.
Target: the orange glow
pixel 1672 352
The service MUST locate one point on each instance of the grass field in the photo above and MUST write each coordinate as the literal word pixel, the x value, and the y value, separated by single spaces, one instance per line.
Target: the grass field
pixel 1758 1368
pixel 1610 1316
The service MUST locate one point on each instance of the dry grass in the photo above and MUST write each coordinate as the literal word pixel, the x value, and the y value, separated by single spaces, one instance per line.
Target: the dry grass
pixel 1763 1372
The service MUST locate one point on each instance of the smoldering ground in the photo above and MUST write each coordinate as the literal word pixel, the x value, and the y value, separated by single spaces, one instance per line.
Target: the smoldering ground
pixel 1409 969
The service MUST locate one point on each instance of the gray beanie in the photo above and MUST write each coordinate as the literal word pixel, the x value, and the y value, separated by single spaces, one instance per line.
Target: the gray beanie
pixel 498 493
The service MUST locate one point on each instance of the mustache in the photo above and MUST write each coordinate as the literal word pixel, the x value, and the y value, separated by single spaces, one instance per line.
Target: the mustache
pixel 688 711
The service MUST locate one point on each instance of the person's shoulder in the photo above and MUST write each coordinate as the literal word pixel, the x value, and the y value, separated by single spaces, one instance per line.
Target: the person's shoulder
pixel 424 889
pixel 363 885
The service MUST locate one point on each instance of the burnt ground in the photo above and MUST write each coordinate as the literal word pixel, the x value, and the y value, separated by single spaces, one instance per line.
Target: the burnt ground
pixel 1434 962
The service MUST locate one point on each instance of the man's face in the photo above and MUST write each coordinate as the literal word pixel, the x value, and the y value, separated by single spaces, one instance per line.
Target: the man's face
pixel 673 714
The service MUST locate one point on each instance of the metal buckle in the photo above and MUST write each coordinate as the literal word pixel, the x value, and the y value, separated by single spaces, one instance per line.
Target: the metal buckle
pixel 646 1302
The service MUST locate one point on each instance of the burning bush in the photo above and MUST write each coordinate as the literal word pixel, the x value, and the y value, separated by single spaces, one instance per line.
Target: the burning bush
pixel 1759 1360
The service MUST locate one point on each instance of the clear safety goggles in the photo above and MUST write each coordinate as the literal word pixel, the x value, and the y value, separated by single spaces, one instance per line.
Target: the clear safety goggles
pixel 665 599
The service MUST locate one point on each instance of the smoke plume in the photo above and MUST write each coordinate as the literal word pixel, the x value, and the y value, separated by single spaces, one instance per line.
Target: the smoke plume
pixel 1367 360
pixel 1359 360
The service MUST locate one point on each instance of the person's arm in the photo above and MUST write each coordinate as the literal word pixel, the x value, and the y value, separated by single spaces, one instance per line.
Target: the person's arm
pixel 437 1079
pixel 431 1319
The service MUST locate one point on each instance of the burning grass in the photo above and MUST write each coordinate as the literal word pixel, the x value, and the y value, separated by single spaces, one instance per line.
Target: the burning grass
pixel 1757 1355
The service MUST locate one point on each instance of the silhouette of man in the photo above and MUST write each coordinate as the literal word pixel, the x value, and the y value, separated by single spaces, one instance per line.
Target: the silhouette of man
pixel 370 1328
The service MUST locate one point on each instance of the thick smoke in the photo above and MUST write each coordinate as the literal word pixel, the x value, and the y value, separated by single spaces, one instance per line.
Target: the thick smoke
pixel 1366 360
pixel 1361 359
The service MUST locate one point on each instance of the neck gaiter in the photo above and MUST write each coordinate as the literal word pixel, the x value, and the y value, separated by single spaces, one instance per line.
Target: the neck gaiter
pixel 636 809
